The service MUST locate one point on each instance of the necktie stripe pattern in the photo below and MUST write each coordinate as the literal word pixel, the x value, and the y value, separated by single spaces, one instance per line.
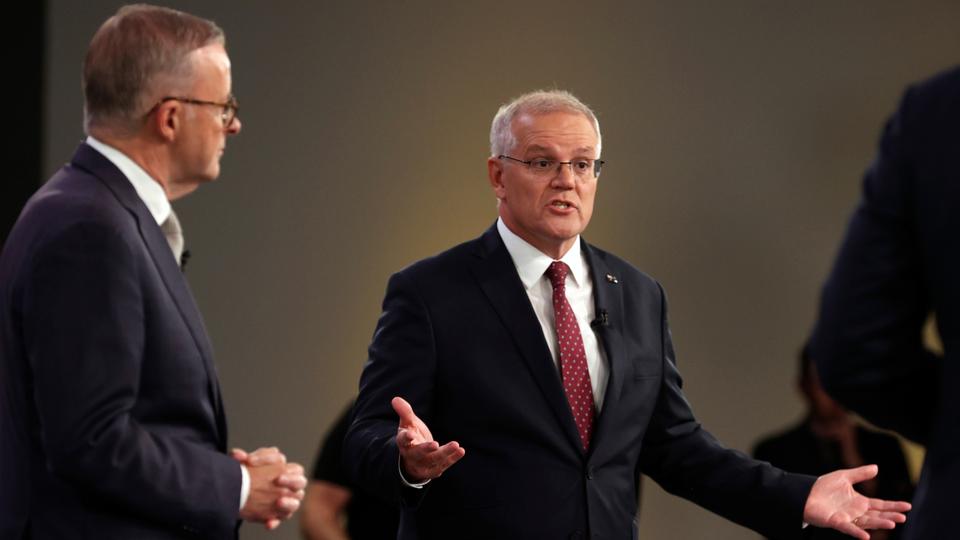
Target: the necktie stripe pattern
pixel 573 357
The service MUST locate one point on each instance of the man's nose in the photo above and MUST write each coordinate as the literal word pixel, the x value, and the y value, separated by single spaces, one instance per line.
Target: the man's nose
pixel 564 176
pixel 234 126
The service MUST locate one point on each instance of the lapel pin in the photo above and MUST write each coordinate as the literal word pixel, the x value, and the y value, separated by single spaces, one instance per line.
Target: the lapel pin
pixel 612 278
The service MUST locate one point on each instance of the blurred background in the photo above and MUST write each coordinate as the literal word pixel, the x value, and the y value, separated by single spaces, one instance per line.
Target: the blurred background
pixel 735 133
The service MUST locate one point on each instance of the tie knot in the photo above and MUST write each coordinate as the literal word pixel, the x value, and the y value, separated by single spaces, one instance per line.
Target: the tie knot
pixel 557 272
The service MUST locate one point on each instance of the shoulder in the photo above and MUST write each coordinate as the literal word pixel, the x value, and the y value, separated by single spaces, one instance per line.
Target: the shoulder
pixel 449 268
pixel 945 83
pixel 930 105
pixel 74 208
pixel 610 267
pixel 73 196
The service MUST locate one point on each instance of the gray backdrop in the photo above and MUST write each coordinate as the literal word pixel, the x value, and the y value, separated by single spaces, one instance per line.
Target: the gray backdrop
pixel 735 134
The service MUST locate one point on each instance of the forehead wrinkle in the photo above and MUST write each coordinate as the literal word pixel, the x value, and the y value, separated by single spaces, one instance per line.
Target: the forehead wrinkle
pixel 582 150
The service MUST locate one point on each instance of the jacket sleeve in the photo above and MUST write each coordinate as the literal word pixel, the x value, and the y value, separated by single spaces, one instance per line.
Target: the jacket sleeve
pixel 868 339
pixel 689 462
pixel 401 362
pixel 84 338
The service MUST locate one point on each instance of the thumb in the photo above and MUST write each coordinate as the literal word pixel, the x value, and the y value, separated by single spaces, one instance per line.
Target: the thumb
pixel 860 474
pixel 403 410
pixel 238 454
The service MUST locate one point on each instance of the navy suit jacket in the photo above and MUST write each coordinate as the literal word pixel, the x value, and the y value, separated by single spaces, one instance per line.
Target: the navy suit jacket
pixel 111 423
pixel 898 263
pixel 458 338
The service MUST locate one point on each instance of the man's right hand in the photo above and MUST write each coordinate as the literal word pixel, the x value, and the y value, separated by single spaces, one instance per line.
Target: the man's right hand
pixel 421 457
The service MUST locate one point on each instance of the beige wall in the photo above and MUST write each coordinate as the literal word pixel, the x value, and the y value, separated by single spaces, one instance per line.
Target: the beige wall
pixel 735 135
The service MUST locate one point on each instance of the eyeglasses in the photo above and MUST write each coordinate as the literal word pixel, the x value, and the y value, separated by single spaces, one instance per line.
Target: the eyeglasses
pixel 227 114
pixel 582 168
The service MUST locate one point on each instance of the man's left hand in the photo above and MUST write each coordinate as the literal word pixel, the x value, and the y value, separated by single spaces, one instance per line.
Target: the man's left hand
pixel 833 503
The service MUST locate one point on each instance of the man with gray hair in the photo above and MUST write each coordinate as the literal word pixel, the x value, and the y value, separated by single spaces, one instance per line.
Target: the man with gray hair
pixel 546 365
pixel 111 421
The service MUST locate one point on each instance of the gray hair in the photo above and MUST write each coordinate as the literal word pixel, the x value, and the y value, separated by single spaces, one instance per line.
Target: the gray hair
pixel 535 103
pixel 131 53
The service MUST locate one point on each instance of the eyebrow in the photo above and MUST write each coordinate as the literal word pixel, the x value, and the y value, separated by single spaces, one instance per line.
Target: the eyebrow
pixel 581 150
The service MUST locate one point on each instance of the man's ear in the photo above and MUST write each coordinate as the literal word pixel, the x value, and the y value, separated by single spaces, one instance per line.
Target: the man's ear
pixel 166 120
pixel 495 175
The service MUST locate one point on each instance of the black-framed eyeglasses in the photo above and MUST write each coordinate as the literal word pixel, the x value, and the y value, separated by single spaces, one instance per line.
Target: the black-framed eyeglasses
pixel 582 168
pixel 228 112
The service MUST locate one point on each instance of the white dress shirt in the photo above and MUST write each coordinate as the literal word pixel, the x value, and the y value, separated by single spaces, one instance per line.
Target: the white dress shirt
pixel 155 199
pixel 532 264
pixel 149 190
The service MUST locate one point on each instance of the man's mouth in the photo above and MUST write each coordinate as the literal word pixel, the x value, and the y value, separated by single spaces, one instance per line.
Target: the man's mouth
pixel 561 204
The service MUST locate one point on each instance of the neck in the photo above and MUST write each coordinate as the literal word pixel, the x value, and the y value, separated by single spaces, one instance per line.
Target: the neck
pixel 151 158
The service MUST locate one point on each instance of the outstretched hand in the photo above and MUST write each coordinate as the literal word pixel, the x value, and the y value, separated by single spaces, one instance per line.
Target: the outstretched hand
pixel 421 457
pixel 833 503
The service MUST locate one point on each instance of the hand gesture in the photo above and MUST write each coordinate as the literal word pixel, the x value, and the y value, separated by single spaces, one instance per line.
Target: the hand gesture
pixel 421 457
pixel 835 504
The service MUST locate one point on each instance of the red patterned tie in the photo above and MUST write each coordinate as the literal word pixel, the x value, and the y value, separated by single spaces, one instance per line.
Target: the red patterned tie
pixel 573 359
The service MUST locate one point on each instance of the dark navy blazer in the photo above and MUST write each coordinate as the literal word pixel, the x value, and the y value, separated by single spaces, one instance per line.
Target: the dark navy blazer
pixel 111 423
pixel 458 339
pixel 900 262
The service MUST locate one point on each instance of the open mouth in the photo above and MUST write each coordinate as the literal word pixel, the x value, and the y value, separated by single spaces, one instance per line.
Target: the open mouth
pixel 561 204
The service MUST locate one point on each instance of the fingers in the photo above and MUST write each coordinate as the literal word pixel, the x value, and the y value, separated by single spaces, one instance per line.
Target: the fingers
pixel 852 530
pixel 266 456
pixel 271 524
pixel 404 411
pixel 260 456
pixel 860 474
pixel 429 460
pixel 287 506
pixel 889 506
pixel 292 479
pixel 408 438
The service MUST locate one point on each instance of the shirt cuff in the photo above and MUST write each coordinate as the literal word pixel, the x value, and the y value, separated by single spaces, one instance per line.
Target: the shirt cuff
pixel 244 485
pixel 408 484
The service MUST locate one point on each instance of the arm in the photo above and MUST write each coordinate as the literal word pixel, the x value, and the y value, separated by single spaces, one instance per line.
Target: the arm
pixel 868 339
pixel 85 338
pixel 323 511
pixel 689 462
pixel 402 360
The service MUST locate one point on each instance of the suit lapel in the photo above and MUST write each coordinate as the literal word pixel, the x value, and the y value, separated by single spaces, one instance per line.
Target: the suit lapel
pixel 89 159
pixel 608 298
pixel 498 278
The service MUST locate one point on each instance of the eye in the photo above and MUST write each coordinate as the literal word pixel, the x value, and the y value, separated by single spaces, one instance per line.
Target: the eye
pixel 541 164
pixel 582 165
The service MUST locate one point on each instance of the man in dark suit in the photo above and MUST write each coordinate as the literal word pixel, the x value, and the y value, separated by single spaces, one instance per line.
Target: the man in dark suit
pixel 111 422
pixel 548 366
pixel 896 267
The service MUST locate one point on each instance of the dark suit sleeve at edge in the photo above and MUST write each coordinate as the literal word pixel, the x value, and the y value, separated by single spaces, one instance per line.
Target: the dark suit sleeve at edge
pixel 868 338
pixel 85 346
pixel 401 362
pixel 689 462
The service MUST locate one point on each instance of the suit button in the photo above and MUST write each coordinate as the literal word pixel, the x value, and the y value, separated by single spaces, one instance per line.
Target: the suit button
pixel 576 535
pixel 590 473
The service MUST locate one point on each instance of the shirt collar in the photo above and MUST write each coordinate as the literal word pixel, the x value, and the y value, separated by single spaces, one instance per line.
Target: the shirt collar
pixel 531 263
pixel 149 190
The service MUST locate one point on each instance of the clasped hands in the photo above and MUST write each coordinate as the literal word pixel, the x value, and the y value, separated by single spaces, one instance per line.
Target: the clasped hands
pixel 276 487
